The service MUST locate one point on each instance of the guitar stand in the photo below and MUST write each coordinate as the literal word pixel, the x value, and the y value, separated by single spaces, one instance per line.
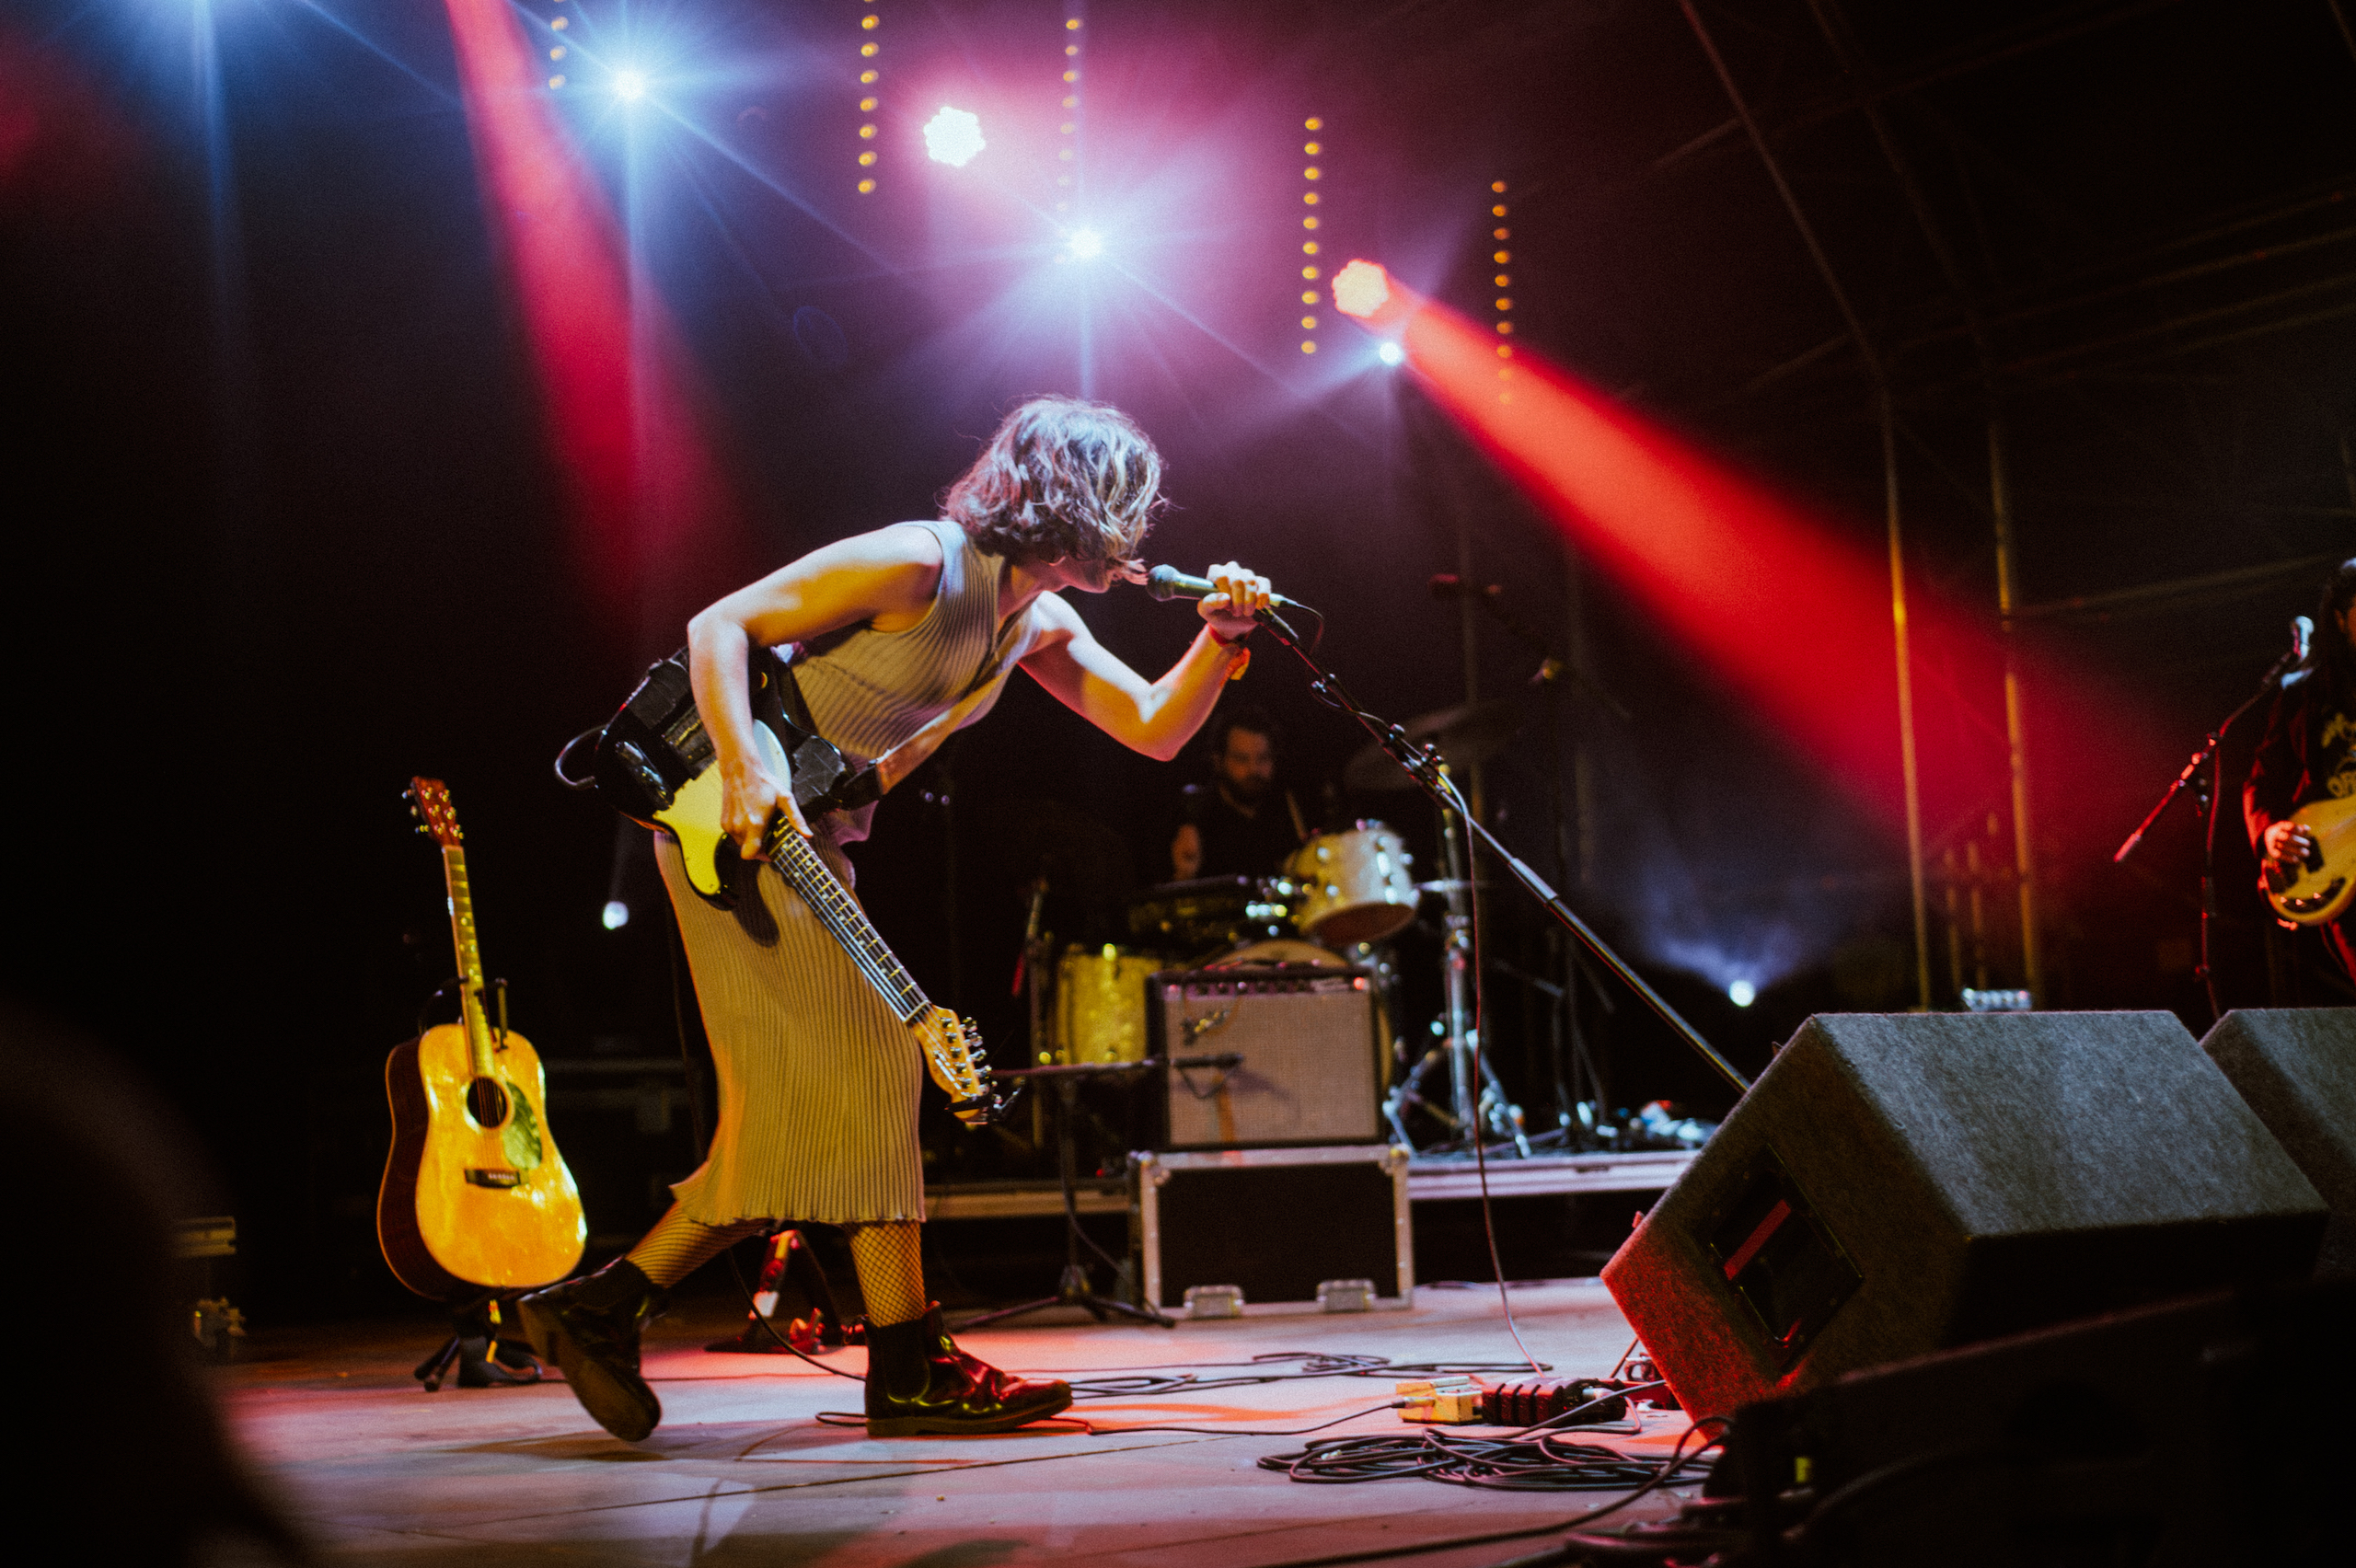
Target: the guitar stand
pixel 1072 1290
pixel 484 1358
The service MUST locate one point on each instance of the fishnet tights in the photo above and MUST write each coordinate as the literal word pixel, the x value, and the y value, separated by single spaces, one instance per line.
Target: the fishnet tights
pixel 889 1257
pixel 678 1246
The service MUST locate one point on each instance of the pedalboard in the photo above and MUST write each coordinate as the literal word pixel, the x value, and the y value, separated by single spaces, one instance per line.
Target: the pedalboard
pixel 1463 1402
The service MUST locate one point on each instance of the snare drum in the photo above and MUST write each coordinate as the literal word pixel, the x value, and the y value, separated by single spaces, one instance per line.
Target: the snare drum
pixel 1354 885
pixel 1099 1015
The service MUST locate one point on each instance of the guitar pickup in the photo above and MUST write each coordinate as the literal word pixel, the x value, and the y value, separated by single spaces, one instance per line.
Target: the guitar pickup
pixel 493 1178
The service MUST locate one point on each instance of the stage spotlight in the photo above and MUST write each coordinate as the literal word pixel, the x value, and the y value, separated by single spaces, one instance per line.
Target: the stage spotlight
pixel 954 137
pixel 1085 245
pixel 1361 289
pixel 1742 993
pixel 616 915
pixel 630 85
pixel 1389 353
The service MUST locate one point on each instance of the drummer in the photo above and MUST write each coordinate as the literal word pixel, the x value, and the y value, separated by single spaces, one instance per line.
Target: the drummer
pixel 1242 822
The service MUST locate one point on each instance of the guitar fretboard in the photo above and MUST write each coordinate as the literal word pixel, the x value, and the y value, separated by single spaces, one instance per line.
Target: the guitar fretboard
pixel 462 916
pixel 462 931
pixel 808 875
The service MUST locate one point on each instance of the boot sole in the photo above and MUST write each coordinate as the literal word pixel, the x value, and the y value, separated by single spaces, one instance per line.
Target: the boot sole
pixel 940 1426
pixel 609 1404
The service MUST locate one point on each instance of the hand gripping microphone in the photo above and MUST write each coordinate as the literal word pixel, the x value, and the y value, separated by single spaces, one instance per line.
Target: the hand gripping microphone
pixel 1168 583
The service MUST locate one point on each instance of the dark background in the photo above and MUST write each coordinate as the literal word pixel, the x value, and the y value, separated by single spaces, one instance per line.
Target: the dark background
pixel 286 529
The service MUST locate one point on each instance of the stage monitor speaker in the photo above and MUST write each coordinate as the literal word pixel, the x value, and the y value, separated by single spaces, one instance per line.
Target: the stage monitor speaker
pixel 2206 1432
pixel 2296 1067
pixel 1311 1070
pixel 1895 1185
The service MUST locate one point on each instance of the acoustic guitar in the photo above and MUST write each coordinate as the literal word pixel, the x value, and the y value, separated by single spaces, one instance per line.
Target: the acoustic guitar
pixel 2319 889
pixel 476 1195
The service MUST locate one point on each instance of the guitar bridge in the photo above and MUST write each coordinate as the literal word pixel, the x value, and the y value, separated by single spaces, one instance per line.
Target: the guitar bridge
pixel 501 1179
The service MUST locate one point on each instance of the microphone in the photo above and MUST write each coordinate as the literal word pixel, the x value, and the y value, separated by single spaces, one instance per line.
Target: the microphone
pixel 1168 583
pixel 2303 634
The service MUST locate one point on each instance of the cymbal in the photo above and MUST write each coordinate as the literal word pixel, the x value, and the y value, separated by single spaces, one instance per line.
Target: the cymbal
pixel 1465 735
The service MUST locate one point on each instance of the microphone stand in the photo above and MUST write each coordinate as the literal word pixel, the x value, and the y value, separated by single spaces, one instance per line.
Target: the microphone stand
pixel 2208 798
pixel 1425 765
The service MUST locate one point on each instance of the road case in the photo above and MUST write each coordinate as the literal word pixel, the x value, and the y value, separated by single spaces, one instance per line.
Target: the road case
pixel 1280 1227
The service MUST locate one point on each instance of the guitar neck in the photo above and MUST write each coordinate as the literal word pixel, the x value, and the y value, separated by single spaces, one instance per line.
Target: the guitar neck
pixel 808 875
pixel 462 932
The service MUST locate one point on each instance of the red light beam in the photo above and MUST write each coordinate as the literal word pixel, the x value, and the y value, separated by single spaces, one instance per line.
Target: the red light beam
pixel 640 478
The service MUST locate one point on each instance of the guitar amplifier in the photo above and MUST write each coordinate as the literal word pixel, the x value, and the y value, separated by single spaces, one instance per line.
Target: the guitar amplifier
pixel 1284 1053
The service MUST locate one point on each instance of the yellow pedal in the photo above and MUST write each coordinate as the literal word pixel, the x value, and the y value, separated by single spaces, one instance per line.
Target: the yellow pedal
pixel 1439 1401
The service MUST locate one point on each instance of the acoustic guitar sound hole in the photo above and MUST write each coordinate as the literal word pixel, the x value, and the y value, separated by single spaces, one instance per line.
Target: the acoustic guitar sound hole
pixel 486 1102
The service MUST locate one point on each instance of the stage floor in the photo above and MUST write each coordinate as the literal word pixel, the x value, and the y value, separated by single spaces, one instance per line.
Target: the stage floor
pixel 378 1472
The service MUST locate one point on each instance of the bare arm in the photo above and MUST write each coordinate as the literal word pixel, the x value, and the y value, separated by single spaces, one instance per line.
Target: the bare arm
pixel 885 580
pixel 1157 718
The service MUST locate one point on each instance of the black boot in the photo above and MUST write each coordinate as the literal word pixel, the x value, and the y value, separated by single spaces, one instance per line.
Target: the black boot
pixel 589 1327
pixel 919 1382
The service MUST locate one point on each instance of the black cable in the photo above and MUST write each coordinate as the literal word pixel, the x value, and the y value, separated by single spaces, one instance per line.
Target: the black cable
pixel 1480 1048
pixel 1660 1478
pixel 1139 1383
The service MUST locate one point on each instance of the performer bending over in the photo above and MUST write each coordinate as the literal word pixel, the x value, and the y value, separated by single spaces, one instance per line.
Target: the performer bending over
pixel 2309 749
pixel 818 1081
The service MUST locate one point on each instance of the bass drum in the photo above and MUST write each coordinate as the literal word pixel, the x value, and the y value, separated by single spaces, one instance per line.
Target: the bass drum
pixel 1098 1013
pixel 1354 886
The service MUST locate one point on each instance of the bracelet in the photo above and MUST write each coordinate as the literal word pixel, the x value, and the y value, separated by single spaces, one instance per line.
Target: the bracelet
pixel 1228 642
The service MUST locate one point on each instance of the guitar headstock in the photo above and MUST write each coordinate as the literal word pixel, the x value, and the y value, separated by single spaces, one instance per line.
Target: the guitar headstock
pixel 429 800
pixel 953 1056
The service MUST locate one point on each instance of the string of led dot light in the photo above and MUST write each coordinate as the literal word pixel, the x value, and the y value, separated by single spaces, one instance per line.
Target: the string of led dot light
pixel 1314 148
pixel 870 98
pixel 1504 279
pixel 1067 180
pixel 557 52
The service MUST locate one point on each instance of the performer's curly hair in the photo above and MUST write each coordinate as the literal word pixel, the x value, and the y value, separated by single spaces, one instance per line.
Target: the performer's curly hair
pixel 1062 480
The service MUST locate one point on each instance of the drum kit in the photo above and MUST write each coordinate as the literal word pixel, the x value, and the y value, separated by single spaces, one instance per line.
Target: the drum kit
pixel 1340 899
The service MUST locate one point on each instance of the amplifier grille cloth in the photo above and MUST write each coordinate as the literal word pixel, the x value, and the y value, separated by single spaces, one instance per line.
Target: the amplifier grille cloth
pixel 1310 1073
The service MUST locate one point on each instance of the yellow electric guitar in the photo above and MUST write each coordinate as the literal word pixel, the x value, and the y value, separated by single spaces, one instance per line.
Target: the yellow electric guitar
pixel 2319 890
pixel 475 1195
pixel 655 763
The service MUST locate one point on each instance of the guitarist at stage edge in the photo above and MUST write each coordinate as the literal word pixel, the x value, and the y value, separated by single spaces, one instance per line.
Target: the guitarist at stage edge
pixel 819 1081
pixel 2308 752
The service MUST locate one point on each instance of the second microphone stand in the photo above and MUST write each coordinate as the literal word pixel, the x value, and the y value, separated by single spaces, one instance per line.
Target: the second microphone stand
pixel 2208 795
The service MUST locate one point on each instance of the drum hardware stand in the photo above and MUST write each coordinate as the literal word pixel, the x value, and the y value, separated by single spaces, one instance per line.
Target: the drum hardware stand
pixel 1574 1115
pixel 1423 765
pixel 1072 1290
pixel 1030 977
pixel 2208 792
pixel 1485 1113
